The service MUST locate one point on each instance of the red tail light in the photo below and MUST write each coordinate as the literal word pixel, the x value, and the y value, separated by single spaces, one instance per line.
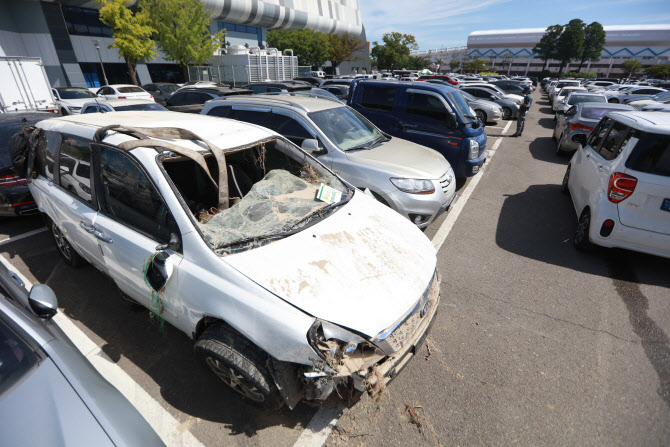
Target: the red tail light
pixel 9 180
pixel 578 126
pixel 347 97
pixel 122 97
pixel 621 187
pixel 151 96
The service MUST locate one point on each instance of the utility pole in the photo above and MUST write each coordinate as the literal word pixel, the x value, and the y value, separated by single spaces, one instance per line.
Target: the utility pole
pixel 97 47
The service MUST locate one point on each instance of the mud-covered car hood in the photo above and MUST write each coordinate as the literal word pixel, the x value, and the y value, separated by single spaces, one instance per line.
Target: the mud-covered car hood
pixel 362 267
pixel 403 158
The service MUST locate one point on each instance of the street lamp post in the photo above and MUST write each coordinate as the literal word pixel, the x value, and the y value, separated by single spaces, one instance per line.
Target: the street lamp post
pixel 97 47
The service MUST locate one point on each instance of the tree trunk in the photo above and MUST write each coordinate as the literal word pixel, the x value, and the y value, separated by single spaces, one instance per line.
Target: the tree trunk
pixel 580 65
pixel 545 65
pixel 132 71
pixel 184 72
pixel 560 69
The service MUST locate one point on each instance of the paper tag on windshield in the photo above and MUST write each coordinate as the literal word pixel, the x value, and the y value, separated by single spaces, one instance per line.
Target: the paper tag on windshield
pixel 328 194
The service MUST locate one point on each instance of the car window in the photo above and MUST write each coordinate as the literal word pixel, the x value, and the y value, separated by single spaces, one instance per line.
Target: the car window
pixel 274 90
pixel 75 93
pixel 258 89
pixel 44 155
pixel 250 116
pixel 290 128
pixel 345 127
pixel 91 109
pixel 130 90
pixel 131 198
pixel 75 173
pixel 149 106
pixel 571 111
pixel 575 99
pixel 651 154
pixel 616 139
pixel 17 358
pixel 378 97
pixel 221 111
pixel 426 106
pixel 107 91
pixel 599 133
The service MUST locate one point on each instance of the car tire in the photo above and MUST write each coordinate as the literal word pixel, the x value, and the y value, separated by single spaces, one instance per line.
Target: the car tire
pixel 581 237
pixel 507 113
pixel 239 364
pixel 564 184
pixel 481 115
pixel 66 250
pixel 559 146
pixel 613 101
pixel 64 112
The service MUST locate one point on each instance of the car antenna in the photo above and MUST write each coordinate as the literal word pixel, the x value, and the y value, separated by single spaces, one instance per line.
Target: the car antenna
pixel 99 106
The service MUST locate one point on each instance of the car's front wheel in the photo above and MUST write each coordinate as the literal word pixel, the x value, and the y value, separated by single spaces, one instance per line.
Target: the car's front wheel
pixel 239 364
pixel 581 237
pixel 564 185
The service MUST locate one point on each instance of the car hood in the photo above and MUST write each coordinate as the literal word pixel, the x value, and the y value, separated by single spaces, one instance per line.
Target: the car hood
pixel 403 158
pixel 362 267
pixel 513 97
pixel 75 102
pixel 45 398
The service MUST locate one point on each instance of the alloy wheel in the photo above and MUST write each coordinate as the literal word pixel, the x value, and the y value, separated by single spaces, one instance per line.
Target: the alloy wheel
pixel 62 243
pixel 507 113
pixel 235 380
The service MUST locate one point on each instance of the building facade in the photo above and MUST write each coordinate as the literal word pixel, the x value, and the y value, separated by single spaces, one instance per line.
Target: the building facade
pixel 511 51
pixel 74 45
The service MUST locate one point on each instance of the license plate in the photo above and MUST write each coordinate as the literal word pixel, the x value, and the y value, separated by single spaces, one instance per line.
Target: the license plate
pixel 666 205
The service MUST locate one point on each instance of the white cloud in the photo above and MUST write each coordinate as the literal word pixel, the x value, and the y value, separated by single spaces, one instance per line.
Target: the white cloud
pixel 430 21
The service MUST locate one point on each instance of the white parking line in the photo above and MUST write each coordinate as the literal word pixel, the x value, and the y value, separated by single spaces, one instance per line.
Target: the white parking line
pixel 325 419
pixel 165 425
pixel 7 240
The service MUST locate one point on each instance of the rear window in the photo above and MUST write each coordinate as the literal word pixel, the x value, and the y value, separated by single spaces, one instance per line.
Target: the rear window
pixel 130 90
pixel 378 97
pixel 574 99
pixel 651 154
pixel 153 106
pixel 596 113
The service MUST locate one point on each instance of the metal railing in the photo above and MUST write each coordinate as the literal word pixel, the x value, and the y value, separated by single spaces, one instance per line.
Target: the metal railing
pixel 238 75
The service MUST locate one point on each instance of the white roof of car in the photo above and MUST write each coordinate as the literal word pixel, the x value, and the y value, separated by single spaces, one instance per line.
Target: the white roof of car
pixel 657 122
pixel 306 103
pixel 224 133
pixel 121 102
pixel 120 85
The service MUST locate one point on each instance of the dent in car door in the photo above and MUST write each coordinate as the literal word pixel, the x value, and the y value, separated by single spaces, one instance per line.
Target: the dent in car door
pixel 132 223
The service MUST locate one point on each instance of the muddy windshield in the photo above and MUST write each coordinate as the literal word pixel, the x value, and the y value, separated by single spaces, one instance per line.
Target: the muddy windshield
pixel 275 190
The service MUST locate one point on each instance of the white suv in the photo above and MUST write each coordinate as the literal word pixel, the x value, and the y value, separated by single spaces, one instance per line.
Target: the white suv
pixel 619 181
pixel 289 281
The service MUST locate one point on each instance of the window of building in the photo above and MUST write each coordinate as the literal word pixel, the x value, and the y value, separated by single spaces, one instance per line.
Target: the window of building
pixel 85 22
pixel 231 27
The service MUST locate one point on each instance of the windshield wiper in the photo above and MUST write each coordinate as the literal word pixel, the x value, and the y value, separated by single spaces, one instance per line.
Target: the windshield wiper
pixel 318 212
pixel 367 145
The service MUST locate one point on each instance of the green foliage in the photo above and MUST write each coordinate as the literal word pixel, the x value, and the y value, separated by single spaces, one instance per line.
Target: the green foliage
pixel 546 48
pixel 594 43
pixel 417 63
pixel 183 30
pixel 132 33
pixel 311 47
pixel 632 66
pixel 661 71
pixel 394 51
pixel 454 64
pixel 343 47
pixel 570 44
pixel 475 65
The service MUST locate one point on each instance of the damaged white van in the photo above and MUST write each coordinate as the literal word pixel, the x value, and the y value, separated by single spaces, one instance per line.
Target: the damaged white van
pixel 289 281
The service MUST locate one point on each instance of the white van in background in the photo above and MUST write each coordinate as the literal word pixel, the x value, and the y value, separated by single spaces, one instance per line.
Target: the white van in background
pixel 24 86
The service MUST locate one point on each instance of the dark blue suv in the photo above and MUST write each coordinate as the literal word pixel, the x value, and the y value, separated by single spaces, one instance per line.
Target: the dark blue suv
pixel 433 115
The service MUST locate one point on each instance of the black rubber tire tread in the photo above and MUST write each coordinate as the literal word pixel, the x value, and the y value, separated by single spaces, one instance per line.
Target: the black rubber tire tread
pixel 583 244
pixel 564 184
pixel 507 112
pixel 231 348
pixel 477 112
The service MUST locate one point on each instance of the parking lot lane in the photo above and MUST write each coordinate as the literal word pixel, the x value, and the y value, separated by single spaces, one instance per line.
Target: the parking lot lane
pixel 535 343
pixel 162 364
pixel 14 226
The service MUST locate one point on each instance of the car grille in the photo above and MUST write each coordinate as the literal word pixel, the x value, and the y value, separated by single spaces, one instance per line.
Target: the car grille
pixel 446 180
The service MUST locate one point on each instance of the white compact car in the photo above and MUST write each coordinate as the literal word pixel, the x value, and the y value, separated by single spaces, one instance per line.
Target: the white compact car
pixel 619 181
pixel 289 281
pixel 70 100
pixel 124 91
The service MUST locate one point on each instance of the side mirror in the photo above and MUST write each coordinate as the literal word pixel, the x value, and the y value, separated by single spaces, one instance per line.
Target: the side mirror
pixel 452 124
pixel 43 301
pixel 579 138
pixel 492 97
pixel 312 145
pixel 174 244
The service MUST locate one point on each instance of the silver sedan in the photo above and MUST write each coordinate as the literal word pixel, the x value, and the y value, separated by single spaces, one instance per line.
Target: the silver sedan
pixel 486 110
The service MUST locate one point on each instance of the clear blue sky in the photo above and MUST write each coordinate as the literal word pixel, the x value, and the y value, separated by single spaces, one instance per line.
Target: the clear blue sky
pixel 438 23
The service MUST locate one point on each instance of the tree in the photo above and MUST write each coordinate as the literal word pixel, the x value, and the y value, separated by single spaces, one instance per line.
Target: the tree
pixel 454 64
pixel 658 71
pixel 132 33
pixel 594 43
pixel 183 31
pixel 476 65
pixel 632 66
pixel 506 62
pixel 344 47
pixel 311 47
pixel 570 44
pixel 394 51
pixel 438 64
pixel 546 48
pixel 417 63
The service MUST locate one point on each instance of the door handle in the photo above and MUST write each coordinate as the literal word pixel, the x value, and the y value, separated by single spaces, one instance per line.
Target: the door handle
pixel 100 236
pixel 86 227
pixel 600 168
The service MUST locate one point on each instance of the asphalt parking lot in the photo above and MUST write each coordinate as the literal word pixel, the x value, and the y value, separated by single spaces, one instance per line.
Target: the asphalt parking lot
pixel 534 343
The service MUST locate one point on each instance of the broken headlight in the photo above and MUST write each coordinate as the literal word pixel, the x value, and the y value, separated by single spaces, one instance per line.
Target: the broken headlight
pixel 336 345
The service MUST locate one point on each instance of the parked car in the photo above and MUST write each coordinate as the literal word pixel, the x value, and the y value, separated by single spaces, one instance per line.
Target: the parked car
pixel 598 85
pixel 192 99
pixel 491 88
pixel 161 91
pixel 485 110
pixel 553 89
pixel 15 198
pixel 559 97
pixel 576 97
pixel 510 107
pixel 279 87
pixel 415 181
pixel 121 105
pixel 620 183
pixel 445 78
pixel 346 82
pixel 510 87
pixel 663 97
pixel 123 91
pixel 313 80
pixel 580 118
pixel 657 107
pixel 634 96
pixel 45 378
pixel 432 115
pixel 288 280
pixel 340 91
pixel 70 100
pixel 627 93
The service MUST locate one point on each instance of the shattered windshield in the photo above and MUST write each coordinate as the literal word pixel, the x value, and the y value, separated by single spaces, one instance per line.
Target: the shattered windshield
pixel 274 190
